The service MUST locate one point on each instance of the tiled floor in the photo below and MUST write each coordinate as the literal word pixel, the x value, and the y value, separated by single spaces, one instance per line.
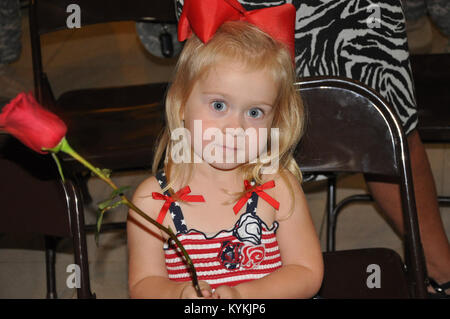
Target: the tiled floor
pixel 112 55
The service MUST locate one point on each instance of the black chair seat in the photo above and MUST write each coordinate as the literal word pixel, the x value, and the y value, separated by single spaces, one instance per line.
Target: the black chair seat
pixel 114 128
pixel 337 108
pixel 352 274
pixel 431 73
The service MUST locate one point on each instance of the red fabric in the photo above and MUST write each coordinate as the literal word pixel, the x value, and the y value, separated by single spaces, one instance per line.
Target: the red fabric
pixel 30 123
pixel 204 17
pixel 182 194
pixel 205 255
pixel 258 190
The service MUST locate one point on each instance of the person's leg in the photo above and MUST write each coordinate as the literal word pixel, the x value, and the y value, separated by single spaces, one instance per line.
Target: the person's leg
pixel 434 240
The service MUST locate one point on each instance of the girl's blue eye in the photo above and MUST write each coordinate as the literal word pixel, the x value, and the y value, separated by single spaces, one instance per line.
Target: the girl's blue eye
pixel 255 112
pixel 219 105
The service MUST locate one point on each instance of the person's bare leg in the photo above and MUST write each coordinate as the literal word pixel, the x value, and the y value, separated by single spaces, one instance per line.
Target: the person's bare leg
pixel 434 240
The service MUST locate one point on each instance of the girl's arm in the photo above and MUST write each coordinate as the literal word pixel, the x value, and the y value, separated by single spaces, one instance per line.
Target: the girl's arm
pixel 302 271
pixel 147 274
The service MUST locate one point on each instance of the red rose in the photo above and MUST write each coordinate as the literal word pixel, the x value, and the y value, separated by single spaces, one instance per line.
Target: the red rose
pixel 30 123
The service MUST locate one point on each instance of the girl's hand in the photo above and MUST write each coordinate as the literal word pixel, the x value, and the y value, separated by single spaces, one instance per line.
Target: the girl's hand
pixel 226 292
pixel 188 291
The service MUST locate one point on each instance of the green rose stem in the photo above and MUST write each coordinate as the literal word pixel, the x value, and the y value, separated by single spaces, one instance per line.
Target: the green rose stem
pixel 65 147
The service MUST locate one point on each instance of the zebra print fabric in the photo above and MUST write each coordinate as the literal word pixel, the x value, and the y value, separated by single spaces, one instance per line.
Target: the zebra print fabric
pixel 364 40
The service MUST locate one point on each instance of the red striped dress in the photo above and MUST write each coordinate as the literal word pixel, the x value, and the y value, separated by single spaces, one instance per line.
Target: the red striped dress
pixel 246 252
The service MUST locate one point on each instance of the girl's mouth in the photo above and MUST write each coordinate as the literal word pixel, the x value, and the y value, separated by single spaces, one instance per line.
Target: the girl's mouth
pixel 234 148
pixel 230 148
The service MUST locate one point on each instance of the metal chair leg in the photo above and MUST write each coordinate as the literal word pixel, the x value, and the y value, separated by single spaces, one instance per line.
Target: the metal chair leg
pixel 79 240
pixel 331 220
pixel 333 209
pixel 444 200
pixel 50 256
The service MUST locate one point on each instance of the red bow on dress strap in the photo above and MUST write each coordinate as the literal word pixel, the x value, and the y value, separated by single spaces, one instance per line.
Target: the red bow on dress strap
pixel 204 17
pixel 258 190
pixel 182 194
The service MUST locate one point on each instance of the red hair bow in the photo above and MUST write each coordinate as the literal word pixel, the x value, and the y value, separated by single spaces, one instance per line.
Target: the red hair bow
pixel 204 17
pixel 182 194
pixel 258 190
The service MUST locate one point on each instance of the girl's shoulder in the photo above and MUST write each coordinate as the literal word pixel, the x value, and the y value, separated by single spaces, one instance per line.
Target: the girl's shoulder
pixel 147 186
pixel 287 192
pixel 153 183
pixel 142 196
pixel 284 180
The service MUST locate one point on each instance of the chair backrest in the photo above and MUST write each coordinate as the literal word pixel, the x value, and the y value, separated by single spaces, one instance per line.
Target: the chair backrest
pixel 53 15
pixel 350 128
pixel 346 129
pixel 431 80
pixel 47 16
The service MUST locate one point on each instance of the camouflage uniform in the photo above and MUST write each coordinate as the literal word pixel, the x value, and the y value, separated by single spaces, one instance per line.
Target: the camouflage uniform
pixel 10 31
pixel 439 11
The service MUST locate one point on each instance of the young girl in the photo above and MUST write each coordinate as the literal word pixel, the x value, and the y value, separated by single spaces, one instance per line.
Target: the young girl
pixel 249 233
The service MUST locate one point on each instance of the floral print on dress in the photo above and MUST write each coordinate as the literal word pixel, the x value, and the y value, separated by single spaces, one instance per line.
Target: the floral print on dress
pixel 247 252
pixel 229 255
pixel 242 248
pixel 248 228
pixel 252 256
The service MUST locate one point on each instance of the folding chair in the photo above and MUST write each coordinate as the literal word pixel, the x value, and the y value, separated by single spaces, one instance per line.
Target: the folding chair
pixel 35 201
pixel 431 74
pixel 112 127
pixel 351 129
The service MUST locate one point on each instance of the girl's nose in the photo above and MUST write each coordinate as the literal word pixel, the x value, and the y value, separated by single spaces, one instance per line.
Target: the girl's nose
pixel 235 120
pixel 234 131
